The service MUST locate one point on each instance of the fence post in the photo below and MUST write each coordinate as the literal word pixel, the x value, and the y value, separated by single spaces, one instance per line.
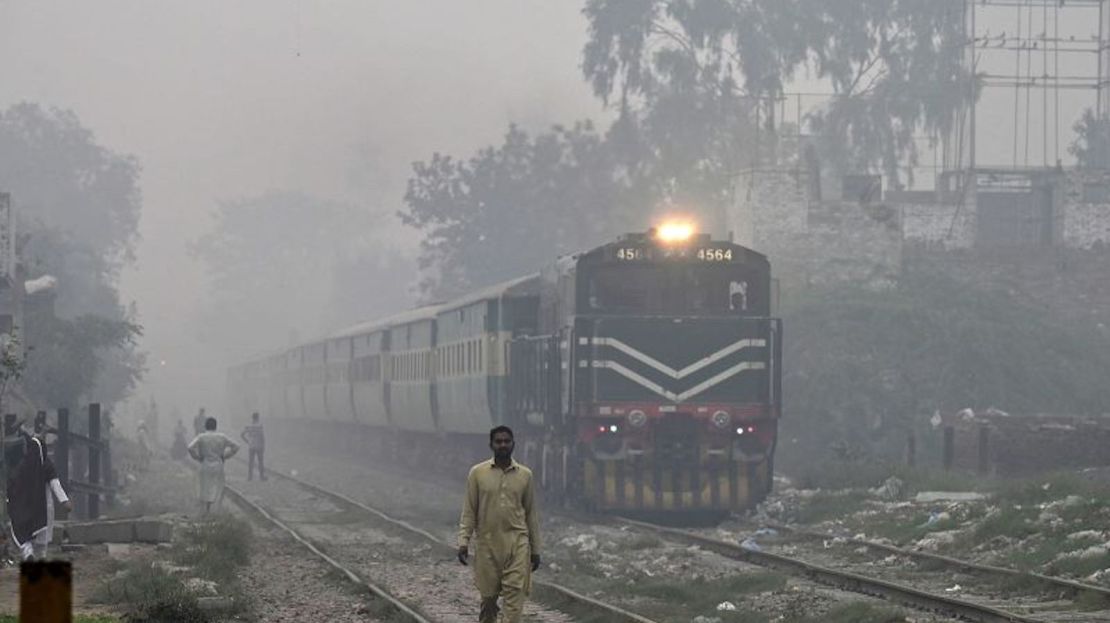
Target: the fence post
pixel 949 447
pixel 94 460
pixel 61 449
pixel 46 592
pixel 109 476
pixel 984 450
pixel 911 449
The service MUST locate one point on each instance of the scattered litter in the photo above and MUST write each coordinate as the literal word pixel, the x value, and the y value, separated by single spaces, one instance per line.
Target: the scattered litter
pixel 1086 534
pixel 202 586
pixel 955 588
pixel 893 488
pixel 725 605
pixel 766 532
pixel 582 542
pixel 927 497
pixel 936 517
pixel 750 545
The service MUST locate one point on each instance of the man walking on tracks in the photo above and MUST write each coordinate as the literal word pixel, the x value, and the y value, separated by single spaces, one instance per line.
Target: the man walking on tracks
pixel 211 449
pixel 500 508
pixel 253 436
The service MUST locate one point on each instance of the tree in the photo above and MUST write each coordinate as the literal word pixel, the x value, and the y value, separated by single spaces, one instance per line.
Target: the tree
pixel 1092 142
pixel 511 209
pixel 78 206
pixel 71 356
pixel 278 264
pixel 895 66
pixel 12 364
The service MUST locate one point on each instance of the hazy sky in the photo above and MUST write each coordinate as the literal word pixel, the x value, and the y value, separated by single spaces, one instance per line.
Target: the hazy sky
pixel 224 99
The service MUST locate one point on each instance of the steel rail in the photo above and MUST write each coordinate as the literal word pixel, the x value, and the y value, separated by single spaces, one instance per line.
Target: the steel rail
pixel 1071 586
pixel 614 613
pixel 891 591
pixel 353 577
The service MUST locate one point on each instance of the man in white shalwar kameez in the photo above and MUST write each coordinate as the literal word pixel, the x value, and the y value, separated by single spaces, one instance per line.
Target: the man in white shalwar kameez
pixel 211 449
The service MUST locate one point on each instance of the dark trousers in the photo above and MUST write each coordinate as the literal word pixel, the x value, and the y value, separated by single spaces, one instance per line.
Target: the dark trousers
pixel 255 455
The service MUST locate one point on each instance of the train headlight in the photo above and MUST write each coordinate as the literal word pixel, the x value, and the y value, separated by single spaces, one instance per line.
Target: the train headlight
pixel 673 232
pixel 612 428
pixel 721 419
pixel 637 418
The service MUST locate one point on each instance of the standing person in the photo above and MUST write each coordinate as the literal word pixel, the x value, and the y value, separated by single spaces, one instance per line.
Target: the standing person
pixel 500 507
pixel 180 447
pixel 31 488
pixel 211 449
pixel 199 421
pixel 255 439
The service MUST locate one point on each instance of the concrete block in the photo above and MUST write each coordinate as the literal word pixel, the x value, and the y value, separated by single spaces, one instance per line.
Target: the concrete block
pixel 153 531
pixel 120 531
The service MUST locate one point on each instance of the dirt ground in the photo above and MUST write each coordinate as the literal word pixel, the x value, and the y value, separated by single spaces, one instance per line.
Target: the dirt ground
pixel 283 583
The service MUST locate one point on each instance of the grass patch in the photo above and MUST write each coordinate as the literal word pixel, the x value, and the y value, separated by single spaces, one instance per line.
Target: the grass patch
pixel 151 595
pixel 827 505
pixel 214 550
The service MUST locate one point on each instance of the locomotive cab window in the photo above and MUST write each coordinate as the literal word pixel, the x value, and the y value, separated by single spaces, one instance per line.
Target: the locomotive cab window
pixel 719 289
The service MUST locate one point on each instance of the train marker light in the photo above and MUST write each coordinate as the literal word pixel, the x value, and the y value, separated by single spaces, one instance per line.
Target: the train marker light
pixel 637 418
pixel 721 419
pixel 613 428
pixel 740 431
pixel 673 232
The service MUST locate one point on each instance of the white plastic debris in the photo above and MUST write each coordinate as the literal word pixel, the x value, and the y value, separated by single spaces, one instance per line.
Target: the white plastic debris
pixel 766 532
pixel 725 605
pixel 46 282
pixel 955 588
pixel 928 497
pixel 750 545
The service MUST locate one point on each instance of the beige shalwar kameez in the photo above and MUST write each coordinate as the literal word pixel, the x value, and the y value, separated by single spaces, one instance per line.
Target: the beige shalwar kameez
pixel 500 509
pixel 212 449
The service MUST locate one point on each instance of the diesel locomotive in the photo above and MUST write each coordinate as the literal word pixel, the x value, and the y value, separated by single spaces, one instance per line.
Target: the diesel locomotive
pixel 641 376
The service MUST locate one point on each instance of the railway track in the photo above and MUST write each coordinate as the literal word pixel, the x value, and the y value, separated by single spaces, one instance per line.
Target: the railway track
pixel 928 582
pixel 1073 588
pixel 433 565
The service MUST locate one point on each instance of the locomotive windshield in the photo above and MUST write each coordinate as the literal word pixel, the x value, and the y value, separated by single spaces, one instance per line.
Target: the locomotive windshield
pixel 675 289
